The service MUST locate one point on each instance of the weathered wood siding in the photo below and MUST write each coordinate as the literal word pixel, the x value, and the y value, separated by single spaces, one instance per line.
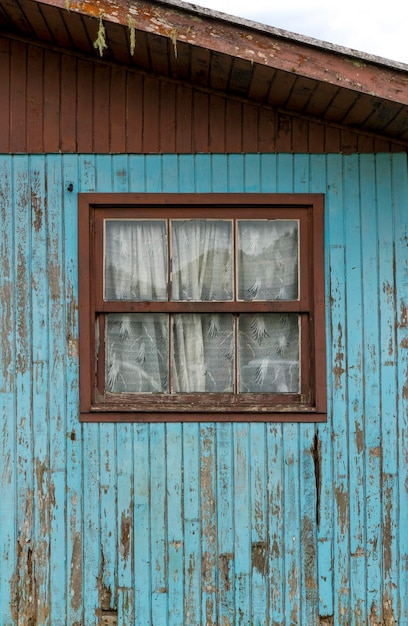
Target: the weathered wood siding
pixel 194 524
pixel 56 102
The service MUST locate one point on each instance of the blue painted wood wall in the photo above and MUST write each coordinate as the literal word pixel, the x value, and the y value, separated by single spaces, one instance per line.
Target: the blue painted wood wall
pixel 225 524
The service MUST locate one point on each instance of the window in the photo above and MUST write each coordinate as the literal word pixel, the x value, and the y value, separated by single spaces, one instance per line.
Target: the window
pixel 201 307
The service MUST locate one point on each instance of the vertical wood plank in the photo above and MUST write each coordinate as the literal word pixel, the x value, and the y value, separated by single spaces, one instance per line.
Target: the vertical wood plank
pixel 250 121
pixel 170 173
pixel 323 451
pixel 276 517
pixel 151 115
pixel 35 99
pixel 134 112
pixel 117 109
pixel 269 177
pixel 40 389
pixel 186 173
pixel 167 122
pixel 225 524
pixel 372 393
pixel 68 104
pixel 57 381
pixel 399 191
pixel 101 120
pixel 236 164
pixel 52 104
pixel 158 525
pixel 85 110
pixel 125 523
pixel 292 530
pixel 184 96
pixel 142 552
pixel 202 173
pixel 217 123
pixel 137 173
pixel 233 126
pixel 175 524
pixel 192 527
pixel 18 97
pixel 242 526
pixel 338 382
pixel 24 590
pixel 355 364
pixel 252 174
pixel 5 94
pixel 219 173
pixel 8 474
pixel 208 507
pixel 76 569
pixel 153 174
pixel 309 508
pixel 260 544
pixel 200 116
pixel 388 388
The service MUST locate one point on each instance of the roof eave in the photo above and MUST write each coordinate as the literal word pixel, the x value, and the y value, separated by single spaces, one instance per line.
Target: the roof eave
pixel 250 41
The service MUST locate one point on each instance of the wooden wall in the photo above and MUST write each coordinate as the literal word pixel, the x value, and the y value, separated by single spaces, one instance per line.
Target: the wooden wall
pixel 52 102
pixel 216 524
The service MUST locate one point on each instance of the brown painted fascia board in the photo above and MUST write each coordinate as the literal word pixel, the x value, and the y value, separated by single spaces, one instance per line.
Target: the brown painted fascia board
pixel 253 42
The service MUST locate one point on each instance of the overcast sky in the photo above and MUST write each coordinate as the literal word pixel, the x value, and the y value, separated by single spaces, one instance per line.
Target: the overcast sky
pixel 373 26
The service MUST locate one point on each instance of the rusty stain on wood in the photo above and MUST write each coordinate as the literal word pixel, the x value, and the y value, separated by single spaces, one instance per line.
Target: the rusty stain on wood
pixel 225 562
pixel 343 507
pixel 326 620
pixel 359 438
pixel 309 548
pixel 403 323
pixel 76 573
pixel 36 201
pixel 338 369
pixel 260 557
pixel 23 584
pixel 125 535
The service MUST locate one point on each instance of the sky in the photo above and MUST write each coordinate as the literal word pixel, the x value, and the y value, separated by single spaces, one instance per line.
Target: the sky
pixel 363 25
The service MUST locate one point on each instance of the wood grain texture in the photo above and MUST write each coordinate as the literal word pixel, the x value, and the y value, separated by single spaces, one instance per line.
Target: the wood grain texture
pixel 204 523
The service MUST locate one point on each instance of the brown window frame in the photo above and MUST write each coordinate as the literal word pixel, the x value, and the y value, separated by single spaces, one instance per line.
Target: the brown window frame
pixel 97 405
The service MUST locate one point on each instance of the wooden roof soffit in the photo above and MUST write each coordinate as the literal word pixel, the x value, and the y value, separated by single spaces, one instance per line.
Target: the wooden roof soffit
pixel 243 39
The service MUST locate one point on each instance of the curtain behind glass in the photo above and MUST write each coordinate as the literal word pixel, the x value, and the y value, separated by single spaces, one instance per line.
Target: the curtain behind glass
pixel 135 260
pixel 202 256
pixel 267 260
pixel 203 346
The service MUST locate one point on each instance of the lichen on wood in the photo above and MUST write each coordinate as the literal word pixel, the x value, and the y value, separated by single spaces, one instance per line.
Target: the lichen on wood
pixel 173 39
pixel 100 41
pixel 132 35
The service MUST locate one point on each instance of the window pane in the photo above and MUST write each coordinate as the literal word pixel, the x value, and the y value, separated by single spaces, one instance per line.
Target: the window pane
pixel 268 353
pixel 267 259
pixel 203 352
pixel 137 353
pixel 201 253
pixel 135 260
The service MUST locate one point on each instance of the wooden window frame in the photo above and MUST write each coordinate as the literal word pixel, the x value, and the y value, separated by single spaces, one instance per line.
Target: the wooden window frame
pixel 308 406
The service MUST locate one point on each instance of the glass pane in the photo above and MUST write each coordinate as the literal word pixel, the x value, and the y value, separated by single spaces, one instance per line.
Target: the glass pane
pixel 268 259
pixel 137 353
pixel 201 253
pixel 203 353
pixel 268 353
pixel 135 260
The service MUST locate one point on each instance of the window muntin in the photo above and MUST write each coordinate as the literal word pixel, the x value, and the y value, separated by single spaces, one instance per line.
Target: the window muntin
pixel 172 341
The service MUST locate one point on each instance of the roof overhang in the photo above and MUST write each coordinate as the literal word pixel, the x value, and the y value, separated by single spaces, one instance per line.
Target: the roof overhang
pixel 222 53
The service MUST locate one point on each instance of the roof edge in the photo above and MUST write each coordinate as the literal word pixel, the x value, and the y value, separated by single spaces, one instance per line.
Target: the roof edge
pixel 200 11
pixel 284 34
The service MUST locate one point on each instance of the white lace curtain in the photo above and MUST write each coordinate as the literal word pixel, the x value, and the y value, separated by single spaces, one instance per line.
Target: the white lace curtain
pixel 158 353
